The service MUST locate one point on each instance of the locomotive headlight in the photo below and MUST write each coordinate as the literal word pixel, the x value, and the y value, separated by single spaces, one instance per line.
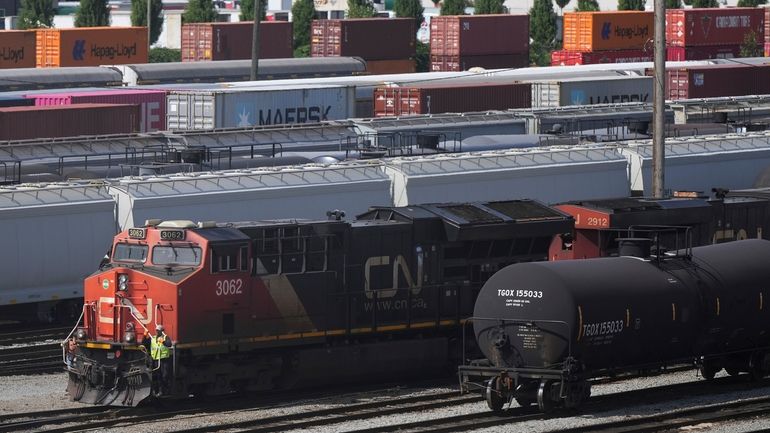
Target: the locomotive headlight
pixel 129 337
pixel 123 282
pixel 81 334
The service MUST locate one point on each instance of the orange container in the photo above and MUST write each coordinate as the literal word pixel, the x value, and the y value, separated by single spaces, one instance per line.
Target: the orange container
pixel 91 46
pixel 17 49
pixel 617 30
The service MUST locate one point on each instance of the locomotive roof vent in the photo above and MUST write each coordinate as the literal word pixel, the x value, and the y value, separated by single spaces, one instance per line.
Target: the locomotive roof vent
pixel 634 247
pixel 207 224
pixel 178 224
pixel 152 222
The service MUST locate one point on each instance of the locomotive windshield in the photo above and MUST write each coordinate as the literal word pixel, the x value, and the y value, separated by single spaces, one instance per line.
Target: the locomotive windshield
pixel 176 255
pixel 130 253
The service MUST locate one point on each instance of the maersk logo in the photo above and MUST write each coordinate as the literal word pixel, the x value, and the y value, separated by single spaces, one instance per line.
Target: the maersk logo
pixel 248 115
pixel 79 50
pixel 606 30
pixel 577 97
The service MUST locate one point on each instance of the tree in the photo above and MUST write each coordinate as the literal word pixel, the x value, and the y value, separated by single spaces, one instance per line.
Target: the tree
pixel 542 30
pixel 453 7
pixel 487 7
pixel 588 5
pixel 35 14
pixel 247 10
pixel 361 9
pixel 303 12
pixel 92 13
pixel 199 11
pixel 165 55
pixel 562 4
pixel 673 4
pixel 750 3
pixel 139 17
pixel 422 57
pixel 750 46
pixel 409 9
pixel 705 3
pixel 631 5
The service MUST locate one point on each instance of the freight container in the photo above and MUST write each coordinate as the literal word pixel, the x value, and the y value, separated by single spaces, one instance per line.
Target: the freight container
pixel 152 103
pixel 17 49
pixel 232 41
pixel 616 30
pixel 379 67
pixel 368 38
pixel 717 26
pixel 90 46
pixel 477 35
pixel 245 107
pixel 429 99
pixel 767 24
pixel 717 80
pixel 703 52
pixel 572 58
pixel 767 49
pixel 463 63
pixel 590 91
pixel 15 101
pixel 22 123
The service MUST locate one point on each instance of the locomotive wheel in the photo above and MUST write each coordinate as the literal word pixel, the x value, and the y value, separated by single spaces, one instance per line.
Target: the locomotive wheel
pixel 544 401
pixel 709 370
pixel 494 395
pixel 733 371
pixel 758 366
pixel 524 402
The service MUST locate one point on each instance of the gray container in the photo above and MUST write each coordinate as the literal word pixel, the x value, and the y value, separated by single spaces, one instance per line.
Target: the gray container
pixel 591 91
pixel 246 107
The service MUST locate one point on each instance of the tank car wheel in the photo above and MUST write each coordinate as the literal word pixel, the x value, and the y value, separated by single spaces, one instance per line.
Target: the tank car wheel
pixel 544 401
pixel 733 371
pixel 494 395
pixel 759 365
pixel 709 370
pixel 524 402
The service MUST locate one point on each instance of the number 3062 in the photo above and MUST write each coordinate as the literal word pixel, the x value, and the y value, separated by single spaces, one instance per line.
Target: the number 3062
pixel 229 287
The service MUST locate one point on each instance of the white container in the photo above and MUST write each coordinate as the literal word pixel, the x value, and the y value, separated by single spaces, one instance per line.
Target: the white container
pixel 591 91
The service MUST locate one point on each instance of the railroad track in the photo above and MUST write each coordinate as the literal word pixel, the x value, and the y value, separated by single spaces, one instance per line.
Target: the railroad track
pixel 32 359
pixel 25 336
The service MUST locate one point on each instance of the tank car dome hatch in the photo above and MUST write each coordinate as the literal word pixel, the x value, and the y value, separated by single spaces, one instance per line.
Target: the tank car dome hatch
pixel 634 247
pixel 178 224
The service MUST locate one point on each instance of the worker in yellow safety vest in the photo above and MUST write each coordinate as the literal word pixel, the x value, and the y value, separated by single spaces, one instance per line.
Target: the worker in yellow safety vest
pixel 160 352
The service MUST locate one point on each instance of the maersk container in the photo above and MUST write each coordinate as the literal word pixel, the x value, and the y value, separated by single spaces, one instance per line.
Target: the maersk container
pixel 713 26
pixel 590 91
pixel 246 107
pixel 17 49
pixel 152 103
pixel 22 123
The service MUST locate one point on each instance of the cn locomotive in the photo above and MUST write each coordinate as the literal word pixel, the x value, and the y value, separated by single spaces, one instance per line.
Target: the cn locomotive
pixel 283 304
pixel 546 328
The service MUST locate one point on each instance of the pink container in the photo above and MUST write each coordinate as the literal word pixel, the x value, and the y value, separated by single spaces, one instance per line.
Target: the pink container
pixel 152 103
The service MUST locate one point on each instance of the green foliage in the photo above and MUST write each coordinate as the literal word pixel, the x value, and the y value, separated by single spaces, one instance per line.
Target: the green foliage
pixel 562 3
pixel 361 9
pixel 247 10
pixel 704 3
pixel 631 5
pixel 302 51
pixel 165 55
pixel 199 11
pixel 588 5
pixel 422 58
pixel 139 17
pixel 487 7
pixel 673 4
pixel 750 3
pixel 303 12
pixel 453 7
pixel 539 55
pixel 750 46
pixel 36 14
pixel 92 13
pixel 409 9
pixel 542 23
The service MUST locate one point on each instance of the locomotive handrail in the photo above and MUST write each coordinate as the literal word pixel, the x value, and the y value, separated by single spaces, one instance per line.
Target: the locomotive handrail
pixel 66 340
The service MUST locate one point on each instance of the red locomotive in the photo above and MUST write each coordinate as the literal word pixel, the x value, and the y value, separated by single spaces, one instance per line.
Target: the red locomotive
pixel 280 304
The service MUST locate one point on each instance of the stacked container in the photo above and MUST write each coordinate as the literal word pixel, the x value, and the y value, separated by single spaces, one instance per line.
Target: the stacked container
pixel 696 34
pixel 364 38
pixel 717 80
pixel 22 123
pixel 91 46
pixel 17 49
pixel 433 99
pixel 767 32
pixel 151 103
pixel 232 41
pixel 458 43
pixel 605 37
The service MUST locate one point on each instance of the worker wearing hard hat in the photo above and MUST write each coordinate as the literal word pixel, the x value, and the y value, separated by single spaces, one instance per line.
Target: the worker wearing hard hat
pixel 160 352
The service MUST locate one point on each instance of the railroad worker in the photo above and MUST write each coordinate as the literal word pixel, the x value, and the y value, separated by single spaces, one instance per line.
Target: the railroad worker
pixel 72 346
pixel 160 351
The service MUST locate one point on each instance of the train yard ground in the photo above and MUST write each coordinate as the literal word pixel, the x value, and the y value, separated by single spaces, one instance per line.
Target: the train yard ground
pixel 667 402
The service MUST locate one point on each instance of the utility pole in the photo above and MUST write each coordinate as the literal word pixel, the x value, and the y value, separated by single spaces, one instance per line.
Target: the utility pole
pixel 149 37
pixel 659 101
pixel 255 41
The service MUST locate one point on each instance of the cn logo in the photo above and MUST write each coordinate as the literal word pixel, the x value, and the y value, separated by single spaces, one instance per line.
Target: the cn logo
pixel 79 50
pixel 606 30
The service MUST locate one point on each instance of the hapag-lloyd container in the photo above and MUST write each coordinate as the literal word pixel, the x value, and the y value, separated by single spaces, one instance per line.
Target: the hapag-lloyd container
pixel 717 80
pixel 368 38
pixel 590 91
pixel 717 26
pixel 617 30
pixel 492 61
pixel 245 106
pixel 232 41
pixel 571 58
pixel 22 123
pixel 17 49
pixel 426 99
pixel 90 46
pixel 152 103
pixel 704 52
pixel 476 35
